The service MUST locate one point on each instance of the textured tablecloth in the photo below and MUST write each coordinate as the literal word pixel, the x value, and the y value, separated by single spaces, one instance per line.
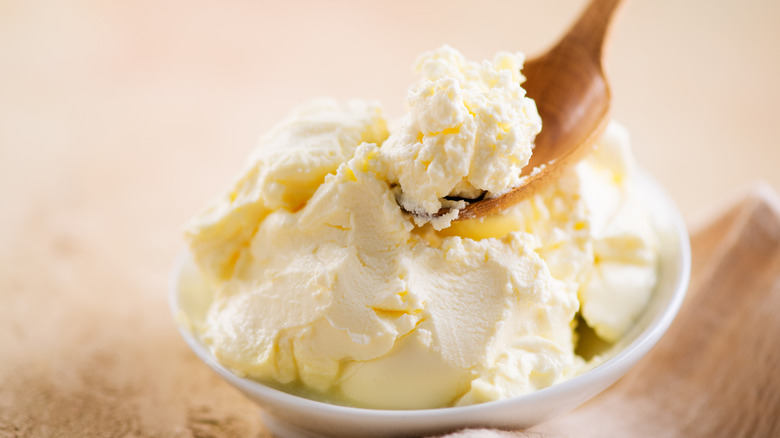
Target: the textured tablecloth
pixel 88 351
pixel 118 120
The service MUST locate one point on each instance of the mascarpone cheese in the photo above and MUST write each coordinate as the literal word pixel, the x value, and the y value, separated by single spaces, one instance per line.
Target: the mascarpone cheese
pixel 325 286
pixel 470 129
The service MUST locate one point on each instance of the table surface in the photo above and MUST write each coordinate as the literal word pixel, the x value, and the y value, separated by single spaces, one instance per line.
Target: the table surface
pixel 119 120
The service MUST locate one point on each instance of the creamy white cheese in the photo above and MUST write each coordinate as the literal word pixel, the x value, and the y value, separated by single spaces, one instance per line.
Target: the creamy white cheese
pixel 324 285
pixel 470 129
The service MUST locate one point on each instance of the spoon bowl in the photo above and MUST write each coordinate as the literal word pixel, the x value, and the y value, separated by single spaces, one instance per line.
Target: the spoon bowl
pixel 573 99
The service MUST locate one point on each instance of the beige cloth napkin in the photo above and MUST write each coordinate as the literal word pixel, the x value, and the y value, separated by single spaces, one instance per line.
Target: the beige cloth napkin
pixel 86 350
pixel 716 372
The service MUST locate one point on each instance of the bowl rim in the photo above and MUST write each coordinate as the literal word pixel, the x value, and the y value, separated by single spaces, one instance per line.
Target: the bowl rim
pixel 635 349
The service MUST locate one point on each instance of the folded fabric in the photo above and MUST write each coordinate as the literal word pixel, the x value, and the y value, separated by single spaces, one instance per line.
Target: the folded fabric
pixel 714 373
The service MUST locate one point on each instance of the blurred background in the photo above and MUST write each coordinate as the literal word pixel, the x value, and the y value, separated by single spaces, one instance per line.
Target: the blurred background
pixel 120 119
pixel 178 91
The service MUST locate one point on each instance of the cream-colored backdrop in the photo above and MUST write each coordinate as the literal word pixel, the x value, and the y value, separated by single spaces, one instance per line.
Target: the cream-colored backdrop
pixel 695 81
pixel 119 119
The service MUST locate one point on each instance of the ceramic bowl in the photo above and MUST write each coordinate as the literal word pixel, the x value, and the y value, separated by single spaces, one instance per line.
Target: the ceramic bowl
pixel 287 415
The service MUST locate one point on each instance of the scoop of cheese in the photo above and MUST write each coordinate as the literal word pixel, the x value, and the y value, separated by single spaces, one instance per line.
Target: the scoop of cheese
pixel 624 243
pixel 287 167
pixel 470 129
pixel 323 285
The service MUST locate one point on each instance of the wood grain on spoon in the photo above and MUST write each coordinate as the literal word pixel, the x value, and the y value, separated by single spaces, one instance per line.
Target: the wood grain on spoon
pixel 573 98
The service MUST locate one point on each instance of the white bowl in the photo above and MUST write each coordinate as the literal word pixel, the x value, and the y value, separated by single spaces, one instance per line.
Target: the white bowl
pixel 287 415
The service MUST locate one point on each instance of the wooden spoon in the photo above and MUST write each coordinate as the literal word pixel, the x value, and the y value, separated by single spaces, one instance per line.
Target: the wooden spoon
pixel 573 99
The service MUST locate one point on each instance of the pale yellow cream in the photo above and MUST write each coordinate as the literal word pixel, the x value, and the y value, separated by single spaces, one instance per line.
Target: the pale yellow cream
pixel 324 285
pixel 470 128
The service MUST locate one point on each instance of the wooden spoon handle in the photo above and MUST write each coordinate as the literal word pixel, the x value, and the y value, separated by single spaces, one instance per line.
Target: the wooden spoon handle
pixel 590 30
pixel 573 99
